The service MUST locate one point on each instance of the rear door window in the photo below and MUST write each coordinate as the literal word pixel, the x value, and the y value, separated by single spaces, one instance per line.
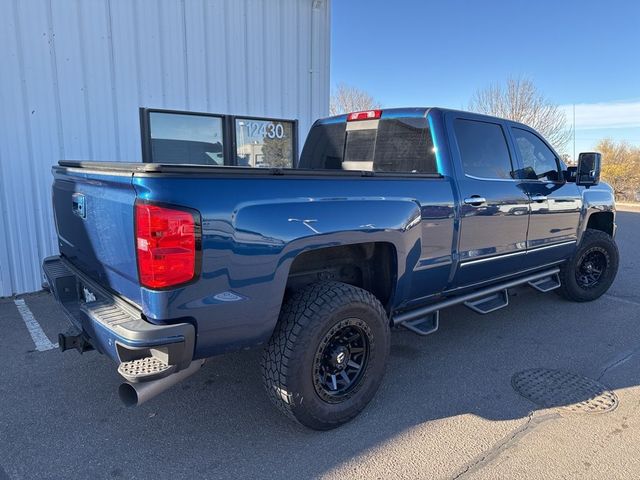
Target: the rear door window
pixel 483 149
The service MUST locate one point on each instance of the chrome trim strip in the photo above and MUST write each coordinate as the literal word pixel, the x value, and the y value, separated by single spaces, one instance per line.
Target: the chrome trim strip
pixel 426 264
pixel 545 247
pixel 491 179
pixel 464 263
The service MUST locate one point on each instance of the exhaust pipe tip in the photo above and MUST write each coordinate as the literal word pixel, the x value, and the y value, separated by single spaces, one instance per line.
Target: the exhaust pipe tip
pixel 128 395
pixel 136 394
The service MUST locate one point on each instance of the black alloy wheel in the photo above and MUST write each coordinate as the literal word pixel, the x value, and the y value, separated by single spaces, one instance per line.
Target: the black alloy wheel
pixel 341 359
pixel 591 266
pixel 327 356
pixel 589 273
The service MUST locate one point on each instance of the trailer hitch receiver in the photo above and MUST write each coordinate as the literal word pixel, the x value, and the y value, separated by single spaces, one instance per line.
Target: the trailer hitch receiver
pixel 74 338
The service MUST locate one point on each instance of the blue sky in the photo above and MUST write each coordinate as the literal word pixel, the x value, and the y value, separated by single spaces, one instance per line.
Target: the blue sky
pixel 426 53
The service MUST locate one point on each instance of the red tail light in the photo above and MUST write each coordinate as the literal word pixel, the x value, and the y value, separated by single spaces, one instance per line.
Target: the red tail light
pixel 167 241
pixel 366 115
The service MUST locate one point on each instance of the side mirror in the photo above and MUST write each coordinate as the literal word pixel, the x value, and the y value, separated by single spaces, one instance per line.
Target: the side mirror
pixel 570 174
pixel 588 172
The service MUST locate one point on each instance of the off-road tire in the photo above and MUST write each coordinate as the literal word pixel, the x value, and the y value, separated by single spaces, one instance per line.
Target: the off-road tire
pixel 307 317
pixel 592 240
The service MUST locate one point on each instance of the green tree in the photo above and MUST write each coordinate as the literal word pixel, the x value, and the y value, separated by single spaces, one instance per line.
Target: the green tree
pixel 277 151
pixel 620 167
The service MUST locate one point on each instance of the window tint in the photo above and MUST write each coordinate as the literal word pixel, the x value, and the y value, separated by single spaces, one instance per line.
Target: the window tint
pixel 264 143
pixel 402 145
pixel 180 138
pixel 538 161
pixel 483 149
pixel 405 145
pixel 324 147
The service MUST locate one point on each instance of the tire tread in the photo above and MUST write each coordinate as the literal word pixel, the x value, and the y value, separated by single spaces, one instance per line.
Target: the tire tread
pixel 298 312
pixel 568 289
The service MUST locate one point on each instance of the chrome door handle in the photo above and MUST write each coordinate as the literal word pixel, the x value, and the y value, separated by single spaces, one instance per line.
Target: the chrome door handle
pixel 475 200
pixel 538 198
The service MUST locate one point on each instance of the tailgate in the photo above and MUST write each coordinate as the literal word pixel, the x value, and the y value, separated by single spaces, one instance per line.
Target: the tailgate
pixel 94 215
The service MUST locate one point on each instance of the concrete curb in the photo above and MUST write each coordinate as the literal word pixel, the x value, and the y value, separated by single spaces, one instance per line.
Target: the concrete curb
pixel 628 207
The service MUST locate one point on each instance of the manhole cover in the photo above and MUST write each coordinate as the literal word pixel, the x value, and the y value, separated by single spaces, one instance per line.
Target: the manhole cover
pixel 555 388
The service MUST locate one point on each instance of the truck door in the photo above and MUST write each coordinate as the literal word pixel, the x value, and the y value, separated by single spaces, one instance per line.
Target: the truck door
pixel 494 210
pixel 555 204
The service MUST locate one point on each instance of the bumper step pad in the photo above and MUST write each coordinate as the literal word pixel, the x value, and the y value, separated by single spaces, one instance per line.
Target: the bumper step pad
pixel 145 369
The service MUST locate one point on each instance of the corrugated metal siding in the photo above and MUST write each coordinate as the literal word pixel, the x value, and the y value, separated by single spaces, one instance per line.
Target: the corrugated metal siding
pixel 75 72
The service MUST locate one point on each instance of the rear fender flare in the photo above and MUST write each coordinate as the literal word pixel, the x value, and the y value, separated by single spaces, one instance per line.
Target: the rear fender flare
pixel 292 227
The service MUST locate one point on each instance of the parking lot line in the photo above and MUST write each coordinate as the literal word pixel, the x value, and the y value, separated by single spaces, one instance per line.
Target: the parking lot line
pixel 35 330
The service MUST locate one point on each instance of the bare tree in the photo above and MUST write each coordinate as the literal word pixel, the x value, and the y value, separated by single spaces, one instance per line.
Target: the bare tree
pixel 520 100
pixel 347 99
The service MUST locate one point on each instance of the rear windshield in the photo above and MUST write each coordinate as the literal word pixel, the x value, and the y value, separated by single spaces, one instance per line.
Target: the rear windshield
pixel 400 145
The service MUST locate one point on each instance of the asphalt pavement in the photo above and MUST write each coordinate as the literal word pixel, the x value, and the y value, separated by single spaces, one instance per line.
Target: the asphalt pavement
pixel 446 409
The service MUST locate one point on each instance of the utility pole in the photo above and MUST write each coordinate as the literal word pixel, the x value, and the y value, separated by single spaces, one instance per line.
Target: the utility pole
pixel 574 133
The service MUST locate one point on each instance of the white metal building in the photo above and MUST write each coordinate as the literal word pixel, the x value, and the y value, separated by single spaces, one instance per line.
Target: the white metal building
pixel 75 72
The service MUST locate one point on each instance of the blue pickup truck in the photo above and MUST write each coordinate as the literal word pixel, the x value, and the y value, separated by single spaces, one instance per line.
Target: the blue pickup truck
pixel 389 217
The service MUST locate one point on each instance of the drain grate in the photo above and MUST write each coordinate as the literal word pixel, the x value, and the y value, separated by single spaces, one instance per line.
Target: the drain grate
pixel 566 390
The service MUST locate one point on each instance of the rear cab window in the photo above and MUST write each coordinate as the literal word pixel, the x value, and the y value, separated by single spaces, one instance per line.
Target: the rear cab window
pixel 360 145
pixel 386 145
